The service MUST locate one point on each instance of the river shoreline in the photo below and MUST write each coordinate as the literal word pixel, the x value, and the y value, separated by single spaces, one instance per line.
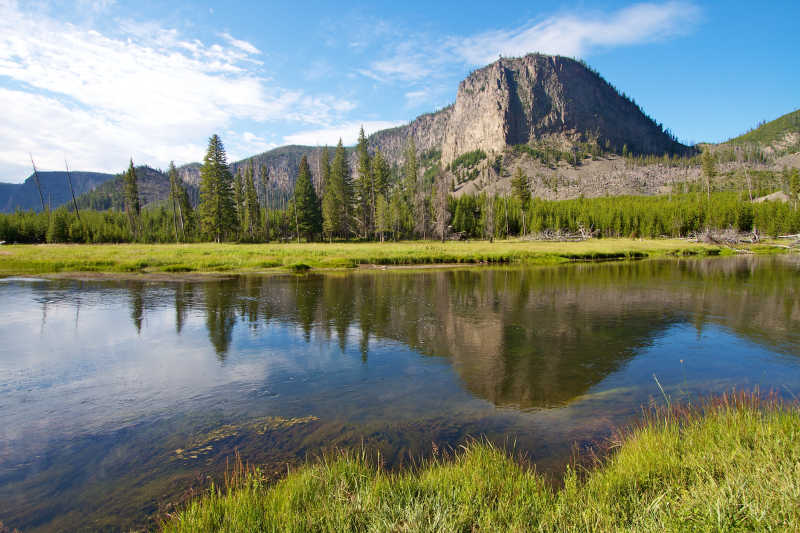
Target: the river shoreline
pixel 192 262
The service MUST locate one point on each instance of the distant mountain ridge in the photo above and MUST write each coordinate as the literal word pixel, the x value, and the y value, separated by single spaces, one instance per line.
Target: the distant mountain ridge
pixel 55 189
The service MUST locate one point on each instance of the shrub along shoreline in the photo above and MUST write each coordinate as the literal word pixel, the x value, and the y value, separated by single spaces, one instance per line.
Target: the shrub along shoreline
pixel 255 258
pixel 728 464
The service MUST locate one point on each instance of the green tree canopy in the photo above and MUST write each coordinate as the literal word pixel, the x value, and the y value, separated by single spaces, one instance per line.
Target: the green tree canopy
pixel 308 217
pixel 520 187
pixel 217 209
pixel 337 198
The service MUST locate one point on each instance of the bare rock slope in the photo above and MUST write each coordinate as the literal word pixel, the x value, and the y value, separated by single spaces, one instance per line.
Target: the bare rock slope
pixel 516 101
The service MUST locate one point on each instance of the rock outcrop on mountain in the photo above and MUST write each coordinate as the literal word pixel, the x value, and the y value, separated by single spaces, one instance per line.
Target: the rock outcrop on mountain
pixel 537 97
pixel 509 102
pixel 428 132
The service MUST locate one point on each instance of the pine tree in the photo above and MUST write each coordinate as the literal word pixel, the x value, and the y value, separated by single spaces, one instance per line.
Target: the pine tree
pixel 185 210
pixel 413 197
pixel 265 199
pixel 380 182
pixel 440 213
pixel 364 192
pixel 336 201
pixel 382 216
pixel 488 217
pixel 132 204
pixel 520 187
pixel 794 185
pixel 174 200
pixel 308 218
pixel 410 169
pixel 395 213
pixel 238 199
pixel 217 208
pixel 251 208
pixel 324 170
pixel 709 171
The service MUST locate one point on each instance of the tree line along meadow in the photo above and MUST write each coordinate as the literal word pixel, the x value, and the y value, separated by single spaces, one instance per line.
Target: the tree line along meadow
pixel 380 203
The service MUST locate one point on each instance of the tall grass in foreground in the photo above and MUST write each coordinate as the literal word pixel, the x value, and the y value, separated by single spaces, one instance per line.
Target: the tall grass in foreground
pixel 729 464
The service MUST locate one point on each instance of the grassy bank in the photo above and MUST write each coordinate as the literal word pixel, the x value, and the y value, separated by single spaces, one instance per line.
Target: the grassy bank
pixel 47 258
pixel 731 465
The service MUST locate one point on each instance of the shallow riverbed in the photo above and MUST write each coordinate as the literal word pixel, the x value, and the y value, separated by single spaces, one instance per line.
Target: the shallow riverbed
pixel 119 397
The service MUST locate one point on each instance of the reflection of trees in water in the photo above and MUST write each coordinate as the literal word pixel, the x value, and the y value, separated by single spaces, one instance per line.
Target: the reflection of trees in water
pixel 220 315
pixel 184 294
pixel 526 337
pixel 136 292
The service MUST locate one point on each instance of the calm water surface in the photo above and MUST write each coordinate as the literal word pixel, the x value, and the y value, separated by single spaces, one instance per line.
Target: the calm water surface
pixel 119 397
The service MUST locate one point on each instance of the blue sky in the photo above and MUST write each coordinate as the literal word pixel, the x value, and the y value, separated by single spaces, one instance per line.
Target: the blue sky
pixel 99 81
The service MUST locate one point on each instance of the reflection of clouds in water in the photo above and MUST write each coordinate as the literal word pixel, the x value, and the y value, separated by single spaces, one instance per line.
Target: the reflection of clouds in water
pixel 102 374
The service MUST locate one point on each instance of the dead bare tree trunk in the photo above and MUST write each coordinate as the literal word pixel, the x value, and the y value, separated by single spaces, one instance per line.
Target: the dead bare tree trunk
pixel 39 186
pixel 72 191
pixel 749 185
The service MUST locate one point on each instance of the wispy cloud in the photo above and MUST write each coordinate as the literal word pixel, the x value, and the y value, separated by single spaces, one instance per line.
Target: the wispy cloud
pixel 241 45
pixel 347 132
pixel 144 90
pixel 565 34
pixel 414 98
pixel 577 35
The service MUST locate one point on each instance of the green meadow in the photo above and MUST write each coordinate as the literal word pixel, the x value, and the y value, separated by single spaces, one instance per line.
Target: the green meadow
pixel 211 257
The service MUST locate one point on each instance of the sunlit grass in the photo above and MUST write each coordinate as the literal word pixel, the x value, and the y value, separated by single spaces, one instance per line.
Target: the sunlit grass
pixel 728 465
pixel 208 257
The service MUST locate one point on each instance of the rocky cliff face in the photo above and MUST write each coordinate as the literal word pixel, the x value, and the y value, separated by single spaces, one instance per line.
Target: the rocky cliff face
pixel 536 97
pixel 428 132
pixel 509 102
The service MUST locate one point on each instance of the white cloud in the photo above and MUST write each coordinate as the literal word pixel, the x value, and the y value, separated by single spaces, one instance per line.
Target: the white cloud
pixel 143 90
pixel 347 131
pixel 564 34
pixel 241 45
pixel 52 131
pixel 576 35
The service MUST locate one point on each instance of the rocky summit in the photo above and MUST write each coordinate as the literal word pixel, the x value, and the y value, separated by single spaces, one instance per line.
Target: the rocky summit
pixel 533 98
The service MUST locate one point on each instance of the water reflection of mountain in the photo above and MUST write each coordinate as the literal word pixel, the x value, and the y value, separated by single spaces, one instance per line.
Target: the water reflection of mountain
pixel 522 337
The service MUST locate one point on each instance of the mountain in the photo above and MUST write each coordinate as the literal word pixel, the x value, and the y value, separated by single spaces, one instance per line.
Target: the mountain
pixel 537 97
pixel 553 117
pixel 55 189
pixel 510 102
pixel 529 100
pixel 153 188
pixel 281 163
pixel 779 135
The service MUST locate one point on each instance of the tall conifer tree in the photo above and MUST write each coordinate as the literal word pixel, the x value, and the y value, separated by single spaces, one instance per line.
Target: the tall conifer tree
pixel 413 201
pixel 324 170
pixel 265 198
pixel 309 219
pixel 380 183
pixel 336 201
pixel 238 199
pixel 364 192
pixel 217 208
pixel 520 187
pixel 132 203
pixel 251 208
